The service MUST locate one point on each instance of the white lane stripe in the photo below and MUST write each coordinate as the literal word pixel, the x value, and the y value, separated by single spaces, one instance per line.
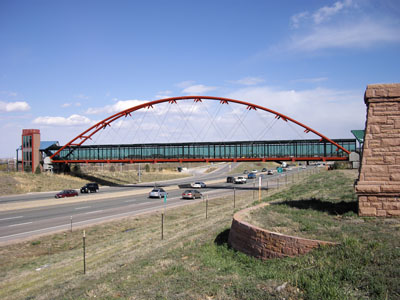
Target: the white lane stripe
pixel 93 212
pixel 19 224
pixel 83 207
pixel 67 226
pixel 11 218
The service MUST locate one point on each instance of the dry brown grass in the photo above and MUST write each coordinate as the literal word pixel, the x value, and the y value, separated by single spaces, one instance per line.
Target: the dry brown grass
pixel 20 182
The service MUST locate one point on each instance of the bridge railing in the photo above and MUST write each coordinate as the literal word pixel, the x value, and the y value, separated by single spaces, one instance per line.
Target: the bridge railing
pixel 213 150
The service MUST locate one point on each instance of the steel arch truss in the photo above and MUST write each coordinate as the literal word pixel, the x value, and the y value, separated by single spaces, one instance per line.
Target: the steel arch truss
pixel 90 132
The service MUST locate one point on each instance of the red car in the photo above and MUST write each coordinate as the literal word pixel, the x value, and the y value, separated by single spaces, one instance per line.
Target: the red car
pixel 66 193
pixel 191 194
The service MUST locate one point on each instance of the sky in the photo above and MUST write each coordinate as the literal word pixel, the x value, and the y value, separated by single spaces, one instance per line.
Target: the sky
pixel 65 65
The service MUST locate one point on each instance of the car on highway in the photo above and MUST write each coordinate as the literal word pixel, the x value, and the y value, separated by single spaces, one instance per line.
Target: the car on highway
pixel 230 179
pixel 251 176
pixel 270 172
pixel 92 187
pixel 245 171
pixel 239 179
pixel 157 193
pixel 66 193
pixel 191 194
pixel 198 185
pixel 264 170
pixel 254 171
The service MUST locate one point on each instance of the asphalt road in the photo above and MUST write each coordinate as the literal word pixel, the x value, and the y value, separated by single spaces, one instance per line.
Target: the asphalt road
pixel 25 223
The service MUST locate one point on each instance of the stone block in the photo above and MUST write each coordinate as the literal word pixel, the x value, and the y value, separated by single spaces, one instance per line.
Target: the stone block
pixel 377 120
pixel 395 177
pixel 390 188
pixel 367 189
pixel 367 211
pixel 381 213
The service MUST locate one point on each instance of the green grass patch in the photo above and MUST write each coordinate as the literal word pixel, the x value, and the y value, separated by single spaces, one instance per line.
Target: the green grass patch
pixel 126 259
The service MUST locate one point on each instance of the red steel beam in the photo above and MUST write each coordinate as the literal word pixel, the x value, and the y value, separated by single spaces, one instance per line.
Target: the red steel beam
pixel 181 160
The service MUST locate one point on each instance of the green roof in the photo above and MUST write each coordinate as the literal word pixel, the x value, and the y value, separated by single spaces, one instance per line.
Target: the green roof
pixel 359 134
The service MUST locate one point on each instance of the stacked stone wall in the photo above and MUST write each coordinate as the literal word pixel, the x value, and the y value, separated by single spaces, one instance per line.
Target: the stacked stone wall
pixel 378 186
pixel 264 244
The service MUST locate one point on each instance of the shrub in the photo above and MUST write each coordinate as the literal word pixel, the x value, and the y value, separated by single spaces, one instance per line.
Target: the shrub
pixel 38 170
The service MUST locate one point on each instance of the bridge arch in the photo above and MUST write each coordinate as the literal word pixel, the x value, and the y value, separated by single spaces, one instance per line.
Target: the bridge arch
pixel 91 131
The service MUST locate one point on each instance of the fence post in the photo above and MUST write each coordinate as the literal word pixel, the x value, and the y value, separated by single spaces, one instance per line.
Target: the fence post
pixel 84 252
pixel 162 226
pixel 207 207
pixel 234 197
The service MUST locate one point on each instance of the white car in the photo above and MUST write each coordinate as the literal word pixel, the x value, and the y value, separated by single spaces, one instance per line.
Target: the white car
pixel 157 193
pixel 198 185
pixel 239 179
pixel 254 171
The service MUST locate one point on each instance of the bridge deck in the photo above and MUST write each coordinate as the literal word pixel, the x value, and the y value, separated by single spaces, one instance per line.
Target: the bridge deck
pixel 300 150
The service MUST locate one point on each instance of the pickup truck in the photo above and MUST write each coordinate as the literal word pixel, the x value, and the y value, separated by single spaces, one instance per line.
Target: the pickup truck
pixel 239 179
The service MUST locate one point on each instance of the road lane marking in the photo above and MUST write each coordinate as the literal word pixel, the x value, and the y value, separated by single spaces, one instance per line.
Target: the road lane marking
pixel 83 207
pixel 92 212
pixel 11 218
pixel 20 224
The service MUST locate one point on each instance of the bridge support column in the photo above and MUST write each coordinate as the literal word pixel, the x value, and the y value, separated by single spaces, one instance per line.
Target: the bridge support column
pixel 378 185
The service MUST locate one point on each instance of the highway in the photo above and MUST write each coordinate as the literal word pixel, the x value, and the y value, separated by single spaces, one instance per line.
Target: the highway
pixel 109 203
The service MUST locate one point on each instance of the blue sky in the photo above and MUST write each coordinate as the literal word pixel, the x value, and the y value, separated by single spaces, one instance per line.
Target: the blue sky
pixel 67 64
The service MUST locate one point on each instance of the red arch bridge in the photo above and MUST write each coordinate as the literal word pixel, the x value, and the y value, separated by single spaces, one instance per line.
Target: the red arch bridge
pixel 321 148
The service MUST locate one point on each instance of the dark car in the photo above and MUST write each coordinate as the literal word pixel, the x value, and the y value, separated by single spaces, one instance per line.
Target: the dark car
pixel 191 194
pixel 245 171
pixel 230 179
pixel 66 193
pixel 251 176
pixel 264 170
pixel 90 188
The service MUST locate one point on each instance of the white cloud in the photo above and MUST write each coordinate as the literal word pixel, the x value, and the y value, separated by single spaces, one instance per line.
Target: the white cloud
pixel 297 18
pixel 14 106
pixel 73 120
pixel 361 35
pixel 198 89
pixel 65 105
pixel 185 84
pixel 249 81
pixel 163 94
pixel 311 80
pixel 9 93
pixel 326 12
pixel 331 112
pixel 117 107
pixel 81 96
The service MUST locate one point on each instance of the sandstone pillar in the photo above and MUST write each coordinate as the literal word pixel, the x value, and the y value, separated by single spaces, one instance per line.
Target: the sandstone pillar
pixel 378 186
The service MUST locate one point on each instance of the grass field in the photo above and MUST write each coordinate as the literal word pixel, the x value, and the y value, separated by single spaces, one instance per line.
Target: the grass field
pixel 126 259
pixel 21 182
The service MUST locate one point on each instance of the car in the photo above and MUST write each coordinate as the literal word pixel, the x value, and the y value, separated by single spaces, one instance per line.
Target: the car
pixel 157 193
pixel 198 185
pixel 303 167
pixel 191 194
pixel 251 176
pixel 270 172
pixel 92 187
pixel 239 179
pixel 245 171
pixel 66 193
pixel 264 170
pixel 230 179
pixel 254 171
